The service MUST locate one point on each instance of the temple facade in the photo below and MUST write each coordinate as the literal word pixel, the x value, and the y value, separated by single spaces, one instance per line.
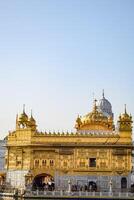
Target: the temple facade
pixel 96 154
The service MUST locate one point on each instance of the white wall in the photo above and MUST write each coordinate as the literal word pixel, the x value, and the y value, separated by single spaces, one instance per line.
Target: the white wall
pixel 16 178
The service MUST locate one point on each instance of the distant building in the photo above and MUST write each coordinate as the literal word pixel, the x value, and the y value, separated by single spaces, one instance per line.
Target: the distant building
pixel 2 161
pixel 2 155
pixel 132 177
pixel 95 156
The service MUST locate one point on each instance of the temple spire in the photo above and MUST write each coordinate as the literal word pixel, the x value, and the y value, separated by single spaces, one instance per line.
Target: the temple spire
pixel 95 106
pixel 125 109
pixel 23 108
pixel 31 113
pixel 16 118
pixel 16 121
pixel 103 94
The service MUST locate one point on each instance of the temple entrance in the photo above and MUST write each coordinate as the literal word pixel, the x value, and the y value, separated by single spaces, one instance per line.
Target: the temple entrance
pixel 92 186
pixel 123 183
pixel 43 182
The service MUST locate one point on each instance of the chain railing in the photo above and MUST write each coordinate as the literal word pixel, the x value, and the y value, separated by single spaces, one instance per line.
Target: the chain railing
pixel 62 193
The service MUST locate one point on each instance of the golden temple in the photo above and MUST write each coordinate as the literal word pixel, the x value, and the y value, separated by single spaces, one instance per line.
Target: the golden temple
pixel 96 152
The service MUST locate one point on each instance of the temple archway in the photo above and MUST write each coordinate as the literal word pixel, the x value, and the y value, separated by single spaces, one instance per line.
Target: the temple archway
pixel 92 186
pixel 43 182
pixel 123 183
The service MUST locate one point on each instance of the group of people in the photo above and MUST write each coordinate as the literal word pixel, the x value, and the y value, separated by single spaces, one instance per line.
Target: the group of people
pixel 44 183
pixel 90 187
pixel 50 186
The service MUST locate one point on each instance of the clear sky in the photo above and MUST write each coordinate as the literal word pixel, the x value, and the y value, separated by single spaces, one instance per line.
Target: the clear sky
pixel 54 54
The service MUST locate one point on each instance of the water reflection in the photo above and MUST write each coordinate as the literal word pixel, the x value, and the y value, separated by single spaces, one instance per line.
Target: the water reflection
pixel 10 198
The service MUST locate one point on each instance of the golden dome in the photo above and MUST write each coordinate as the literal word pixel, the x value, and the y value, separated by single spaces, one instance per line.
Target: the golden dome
pixel 23 117
pixel 125 122
pixel 32 122
pixel 94 120
pixel 125 116
pixel 32 119
pixel 25 122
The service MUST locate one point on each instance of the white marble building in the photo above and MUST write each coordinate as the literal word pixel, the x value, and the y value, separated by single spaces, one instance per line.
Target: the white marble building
pixel 2 155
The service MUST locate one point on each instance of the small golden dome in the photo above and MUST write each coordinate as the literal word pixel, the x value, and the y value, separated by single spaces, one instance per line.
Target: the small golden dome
pixel 94 120
pixel 23 117
pixel 125 116
pixel 125 122
pixel 32 121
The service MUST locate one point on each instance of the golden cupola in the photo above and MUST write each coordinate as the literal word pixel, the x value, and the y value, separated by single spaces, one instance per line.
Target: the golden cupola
pixel 125 121
pixel 23 121
pixel 23 117
pixel 32 122
pixel 94 120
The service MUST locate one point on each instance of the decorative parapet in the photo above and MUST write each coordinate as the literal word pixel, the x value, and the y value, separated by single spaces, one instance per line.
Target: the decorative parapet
pixel 79 133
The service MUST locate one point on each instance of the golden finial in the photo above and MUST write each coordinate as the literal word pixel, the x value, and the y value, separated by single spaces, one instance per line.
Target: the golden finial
pixel 95 106
pixel 23 108
pixel 125 109
pixel 31 113
pixel 16 121
pixel 16 117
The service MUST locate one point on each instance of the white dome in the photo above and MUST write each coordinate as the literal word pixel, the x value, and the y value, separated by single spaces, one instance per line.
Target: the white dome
pixel 105 107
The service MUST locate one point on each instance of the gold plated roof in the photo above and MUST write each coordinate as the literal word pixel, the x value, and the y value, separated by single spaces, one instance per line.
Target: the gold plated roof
pixel 94 120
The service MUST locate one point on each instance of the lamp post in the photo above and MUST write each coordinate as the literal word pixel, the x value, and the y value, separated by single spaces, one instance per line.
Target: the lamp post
pixel 110 186
pixel 69 186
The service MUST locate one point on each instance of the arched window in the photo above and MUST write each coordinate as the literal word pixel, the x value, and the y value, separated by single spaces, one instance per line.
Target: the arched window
pixel 36 163
pixel 51 163
pixel 18 161
pixel 44 163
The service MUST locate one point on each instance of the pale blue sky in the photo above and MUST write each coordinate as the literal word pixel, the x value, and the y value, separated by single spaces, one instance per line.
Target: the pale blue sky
pixel 55 53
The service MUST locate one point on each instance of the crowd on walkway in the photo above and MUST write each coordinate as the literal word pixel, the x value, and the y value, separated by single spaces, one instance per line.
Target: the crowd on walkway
pixel 90 187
